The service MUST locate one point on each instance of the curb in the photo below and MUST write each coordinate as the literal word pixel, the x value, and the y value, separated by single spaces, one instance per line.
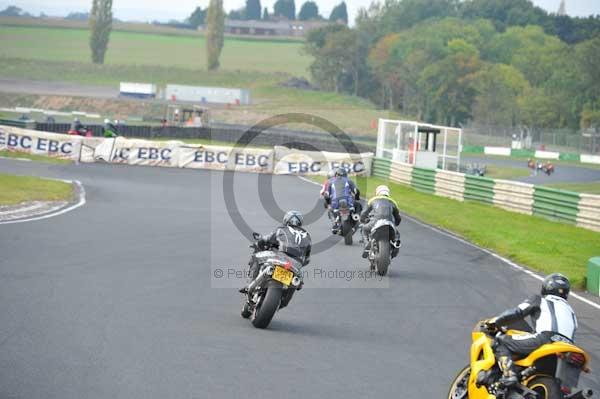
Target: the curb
pixel 39 210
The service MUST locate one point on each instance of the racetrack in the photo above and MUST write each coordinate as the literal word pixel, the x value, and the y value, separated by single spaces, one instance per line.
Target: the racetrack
pixel 116 299
pixel 562 173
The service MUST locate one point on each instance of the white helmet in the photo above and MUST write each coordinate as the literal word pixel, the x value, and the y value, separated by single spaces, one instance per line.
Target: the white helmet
pixel 382 190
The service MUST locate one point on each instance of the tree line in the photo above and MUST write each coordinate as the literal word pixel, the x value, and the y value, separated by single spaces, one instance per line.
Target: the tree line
pixel 282 9
pixel 498 62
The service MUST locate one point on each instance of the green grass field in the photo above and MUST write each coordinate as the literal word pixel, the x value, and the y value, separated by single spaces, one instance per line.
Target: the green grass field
pixel 18 189
pixel 33 157
pixel 532 241
pixel 134 48
pixel 506 172
pixel 587 188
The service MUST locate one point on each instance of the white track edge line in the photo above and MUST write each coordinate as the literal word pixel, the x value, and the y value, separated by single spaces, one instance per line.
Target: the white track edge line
pixel 487 251
pixel 80 203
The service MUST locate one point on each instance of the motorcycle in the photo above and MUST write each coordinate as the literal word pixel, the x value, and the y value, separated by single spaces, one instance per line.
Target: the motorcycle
pixel 279 276
pixel 346 218
pixel 550 372
pixel 82 131
pixel 384 246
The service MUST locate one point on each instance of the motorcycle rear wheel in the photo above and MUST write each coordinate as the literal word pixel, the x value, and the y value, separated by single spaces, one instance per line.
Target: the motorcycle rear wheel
pixel 460 387
pixel 546 387
pixel 383 257
pixel 264 312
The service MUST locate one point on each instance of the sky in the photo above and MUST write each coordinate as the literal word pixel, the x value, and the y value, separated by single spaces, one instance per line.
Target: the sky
pixel 148 10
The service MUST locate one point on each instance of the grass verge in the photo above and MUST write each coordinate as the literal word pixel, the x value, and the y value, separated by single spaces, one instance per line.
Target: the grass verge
pixel 18 189
pixel 532 241
pixel 33 157
pixel 506 172
pixel 586 188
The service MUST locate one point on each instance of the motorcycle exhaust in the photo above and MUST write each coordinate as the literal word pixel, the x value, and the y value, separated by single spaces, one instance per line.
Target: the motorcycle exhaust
pixel 396 244
pixel 583 394
pixel 355 217
pixel 262 276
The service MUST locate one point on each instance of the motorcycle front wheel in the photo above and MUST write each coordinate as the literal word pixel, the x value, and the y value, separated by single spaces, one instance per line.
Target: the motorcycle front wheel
pixel 265 310
pixel 460 387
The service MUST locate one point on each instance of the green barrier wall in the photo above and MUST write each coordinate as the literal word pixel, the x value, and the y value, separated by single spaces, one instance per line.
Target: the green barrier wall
pixel 423 180
pixel 473 149
pixel 556 204
pixel 522 153
pixel 479 189
pixel 593 276
pixel 569 157
pixel 381 168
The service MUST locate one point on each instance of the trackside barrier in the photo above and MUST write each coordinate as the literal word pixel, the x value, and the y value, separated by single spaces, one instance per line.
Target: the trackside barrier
pixel 556 204
pixel 423 179
pixel 479 189
pixel 589 212
pixel 176 154
pixel 401 173
pixel 582 209
pixel 514 196
pixel 381 168
pixel 450 184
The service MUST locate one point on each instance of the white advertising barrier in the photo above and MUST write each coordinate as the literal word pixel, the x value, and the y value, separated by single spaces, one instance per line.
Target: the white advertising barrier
pixel 141 152
pixel 296 162
pixel 40 143
pixel 547 154
pixel 505 151
pixel 95 149
pixel 590 158
pixel 226 158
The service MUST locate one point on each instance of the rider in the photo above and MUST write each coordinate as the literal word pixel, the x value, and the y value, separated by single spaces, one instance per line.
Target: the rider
pixel 341 187
pixel 381 206
pixel 553 320
pixel 325 188
pixel 109 129
pixel 76 126
pixel 290 238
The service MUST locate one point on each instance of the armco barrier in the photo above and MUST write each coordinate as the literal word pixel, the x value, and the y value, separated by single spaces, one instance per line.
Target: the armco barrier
pixel 589 212
pixel 401 173
pixel 479 189
pixel 450 185
pixel 423 180
pixel 381 168
pixel 566 156
pixel 514 196
pixel 556 204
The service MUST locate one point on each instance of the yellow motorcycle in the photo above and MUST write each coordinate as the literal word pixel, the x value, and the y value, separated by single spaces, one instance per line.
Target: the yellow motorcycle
pixel 550 372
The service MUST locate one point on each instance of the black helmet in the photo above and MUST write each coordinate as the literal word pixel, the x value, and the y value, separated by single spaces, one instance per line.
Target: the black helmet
pixel 556 284
pixel 341 172
pixel 293 218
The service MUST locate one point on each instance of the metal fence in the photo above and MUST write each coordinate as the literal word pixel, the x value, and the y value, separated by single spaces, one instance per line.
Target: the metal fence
pixel 244 135
pixel 560 140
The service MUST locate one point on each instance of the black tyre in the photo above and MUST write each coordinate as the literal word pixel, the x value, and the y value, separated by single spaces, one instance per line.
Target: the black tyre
pixel 383 257
pixel 348 238
pixel 460 386
pixel 545 387
pixel 268 306
pixel 246 312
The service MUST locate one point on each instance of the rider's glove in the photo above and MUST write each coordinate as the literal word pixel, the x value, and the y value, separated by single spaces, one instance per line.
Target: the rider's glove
pixel 490 324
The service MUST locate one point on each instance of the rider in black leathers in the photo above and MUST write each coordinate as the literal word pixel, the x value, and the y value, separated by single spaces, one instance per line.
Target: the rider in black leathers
pixel 382 206
pixel 289 238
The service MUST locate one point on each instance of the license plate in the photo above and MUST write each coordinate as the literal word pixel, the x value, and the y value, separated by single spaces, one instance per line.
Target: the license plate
pixel 282 275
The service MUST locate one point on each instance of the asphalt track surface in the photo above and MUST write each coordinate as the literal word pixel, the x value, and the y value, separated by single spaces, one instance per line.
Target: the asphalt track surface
pixel 562 173
pixel 116 300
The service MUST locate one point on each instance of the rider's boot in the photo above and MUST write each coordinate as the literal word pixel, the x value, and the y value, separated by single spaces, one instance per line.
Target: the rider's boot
pixel 509 376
